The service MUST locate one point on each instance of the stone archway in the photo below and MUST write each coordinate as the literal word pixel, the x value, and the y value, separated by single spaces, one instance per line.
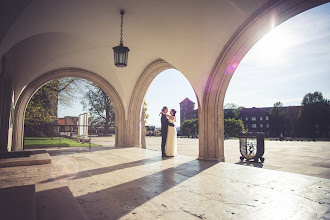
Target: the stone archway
pixel 32 87
pixel 136 101
pixel 251 31
pixel 137 98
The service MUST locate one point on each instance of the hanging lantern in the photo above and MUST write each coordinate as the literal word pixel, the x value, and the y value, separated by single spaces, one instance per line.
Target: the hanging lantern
pixel 121 52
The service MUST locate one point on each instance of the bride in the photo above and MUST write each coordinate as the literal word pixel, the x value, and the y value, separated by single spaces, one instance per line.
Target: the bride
pixel 171 141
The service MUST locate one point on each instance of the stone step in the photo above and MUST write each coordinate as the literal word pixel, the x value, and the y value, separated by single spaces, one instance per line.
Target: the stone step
pixel 58 204
pixel 17 203
pixel 24 158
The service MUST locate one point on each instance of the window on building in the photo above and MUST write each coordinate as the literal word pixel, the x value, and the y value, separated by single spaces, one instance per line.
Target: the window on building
pixel 261 125
pixel 267 125
pixel 253 118
pixel 246 126
pixel 246 118
pixel 254 125
pixel 184 117
pixel 195 115
pixel 260 118
pixel 184 113
pixel 241 118
pixel 186 108
pixel 267 117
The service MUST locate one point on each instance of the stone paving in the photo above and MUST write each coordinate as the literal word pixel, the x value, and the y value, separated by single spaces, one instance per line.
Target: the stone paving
pixel 134 183
pixel 307 158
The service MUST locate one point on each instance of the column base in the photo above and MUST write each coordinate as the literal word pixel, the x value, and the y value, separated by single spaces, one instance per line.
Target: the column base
pixel 135 145
pixel 124 145
pixel 219 159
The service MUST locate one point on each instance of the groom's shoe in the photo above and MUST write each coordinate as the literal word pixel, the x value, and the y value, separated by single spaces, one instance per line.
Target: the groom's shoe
pixel 163 155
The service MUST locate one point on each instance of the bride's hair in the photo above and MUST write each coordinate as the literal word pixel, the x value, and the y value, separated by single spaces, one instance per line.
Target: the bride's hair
pixel 174 112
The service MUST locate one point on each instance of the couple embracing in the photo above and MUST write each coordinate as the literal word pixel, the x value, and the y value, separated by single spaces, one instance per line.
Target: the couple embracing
pixel 169 133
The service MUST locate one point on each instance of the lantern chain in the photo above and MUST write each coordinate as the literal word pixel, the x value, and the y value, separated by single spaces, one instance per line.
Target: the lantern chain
pixel 121 28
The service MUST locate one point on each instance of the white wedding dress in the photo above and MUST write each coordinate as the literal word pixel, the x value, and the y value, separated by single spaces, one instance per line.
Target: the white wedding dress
pixel 171 141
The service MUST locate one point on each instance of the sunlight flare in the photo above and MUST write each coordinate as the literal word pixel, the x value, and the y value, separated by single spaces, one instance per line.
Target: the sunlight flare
pixel 272 48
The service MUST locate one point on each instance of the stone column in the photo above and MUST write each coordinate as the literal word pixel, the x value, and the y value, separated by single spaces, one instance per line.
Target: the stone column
pixel 211 134
pixel 143 131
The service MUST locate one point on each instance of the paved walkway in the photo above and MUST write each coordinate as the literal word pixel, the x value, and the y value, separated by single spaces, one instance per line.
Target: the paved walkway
pixel 134 183
pixel 307 158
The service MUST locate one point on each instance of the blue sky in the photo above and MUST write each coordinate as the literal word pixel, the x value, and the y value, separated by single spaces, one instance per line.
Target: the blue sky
pixel 290 61
pixel 166 91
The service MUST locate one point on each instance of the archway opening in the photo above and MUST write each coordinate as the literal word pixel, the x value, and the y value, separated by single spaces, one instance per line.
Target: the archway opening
pixel 69 112
pixel 283 76
pixel 172 89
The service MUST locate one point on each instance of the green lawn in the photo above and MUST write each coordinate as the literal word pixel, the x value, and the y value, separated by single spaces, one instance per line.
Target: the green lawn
pixel 53 142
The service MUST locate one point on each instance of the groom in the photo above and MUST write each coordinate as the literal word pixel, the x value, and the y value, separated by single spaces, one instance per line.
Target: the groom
pixel 164 127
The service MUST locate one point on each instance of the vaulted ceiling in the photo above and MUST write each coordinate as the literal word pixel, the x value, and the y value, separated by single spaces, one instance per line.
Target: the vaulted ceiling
pixel 189 34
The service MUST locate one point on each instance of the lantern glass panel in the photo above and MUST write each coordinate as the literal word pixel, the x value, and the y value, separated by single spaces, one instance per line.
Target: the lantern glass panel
pixel 120 56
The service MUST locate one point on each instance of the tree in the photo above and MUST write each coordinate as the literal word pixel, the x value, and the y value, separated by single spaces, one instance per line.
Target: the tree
pixel 150 130
pixel 100 108
pixel 145 109
pixel 232 110
pixel 42 110
pixel 69 88
pixel 190 127
pixel 233 127
pixel 144 117
pixel 292 113
pixel 315 115
pixel 277 119
pixel 187 131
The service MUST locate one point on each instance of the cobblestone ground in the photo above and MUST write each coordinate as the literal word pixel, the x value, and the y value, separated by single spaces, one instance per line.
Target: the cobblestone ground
pixel 307 158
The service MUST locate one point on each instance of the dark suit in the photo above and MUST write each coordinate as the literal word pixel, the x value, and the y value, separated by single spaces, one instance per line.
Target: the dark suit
pixel 164 128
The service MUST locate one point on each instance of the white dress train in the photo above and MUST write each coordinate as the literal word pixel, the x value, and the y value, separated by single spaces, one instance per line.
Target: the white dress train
pixel 171 141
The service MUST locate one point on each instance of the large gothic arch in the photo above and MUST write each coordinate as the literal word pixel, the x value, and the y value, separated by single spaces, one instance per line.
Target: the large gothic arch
pixel 136 101
pixel 211 121
pixel 32 87
pixel 137 98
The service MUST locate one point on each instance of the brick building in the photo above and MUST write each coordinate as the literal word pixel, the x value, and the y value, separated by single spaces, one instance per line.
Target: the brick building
pixel 187 110
pixel 68 123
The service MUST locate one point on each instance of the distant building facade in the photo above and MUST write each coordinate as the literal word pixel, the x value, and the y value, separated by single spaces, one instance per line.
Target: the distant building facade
pixel 258 120
pixel 254 119
pixel 187 110
pixel 68 123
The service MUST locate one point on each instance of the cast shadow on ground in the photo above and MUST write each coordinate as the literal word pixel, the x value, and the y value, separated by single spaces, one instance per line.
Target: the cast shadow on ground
pixel 250 164
pixel 117 201
pixel 93 172
pixel 75 150
pixel 45 146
